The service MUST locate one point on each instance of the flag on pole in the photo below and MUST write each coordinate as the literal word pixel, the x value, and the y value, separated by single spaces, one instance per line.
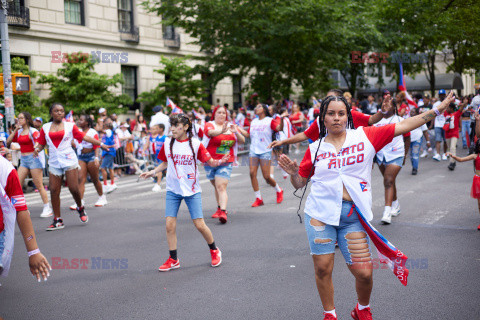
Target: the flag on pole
pixel 197 114
pixel 175 108
pixel 69 116
pixel 403 87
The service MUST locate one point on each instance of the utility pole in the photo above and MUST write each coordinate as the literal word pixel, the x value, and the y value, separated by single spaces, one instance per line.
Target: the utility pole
pixel 7 72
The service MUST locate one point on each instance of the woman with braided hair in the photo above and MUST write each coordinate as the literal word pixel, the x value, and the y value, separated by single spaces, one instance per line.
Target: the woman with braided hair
pixel 180 154
pixel 339 206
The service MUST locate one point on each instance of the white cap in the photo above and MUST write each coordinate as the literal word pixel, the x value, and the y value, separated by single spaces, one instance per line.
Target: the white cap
pixel 102 110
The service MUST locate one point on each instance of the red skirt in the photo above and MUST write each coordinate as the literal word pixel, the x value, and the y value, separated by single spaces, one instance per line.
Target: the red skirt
pixel 475 193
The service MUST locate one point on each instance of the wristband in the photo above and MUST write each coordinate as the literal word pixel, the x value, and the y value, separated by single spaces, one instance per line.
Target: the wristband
pixel 96 158
pixel 31 253
pixel 383 112
pixel 436 111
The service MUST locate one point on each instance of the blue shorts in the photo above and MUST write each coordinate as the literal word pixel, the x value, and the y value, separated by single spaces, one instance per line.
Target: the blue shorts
pixel 107 161
pixel 2 248
pixel 223 171
pixel 262 156
pixel 61 171
pixel 348 224
pixel 439 134
pixel 87 157
pixel 30 162
pixel 194 204
pixel 397 161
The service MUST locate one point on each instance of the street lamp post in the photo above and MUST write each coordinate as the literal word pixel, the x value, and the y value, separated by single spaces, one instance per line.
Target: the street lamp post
pixel 7 72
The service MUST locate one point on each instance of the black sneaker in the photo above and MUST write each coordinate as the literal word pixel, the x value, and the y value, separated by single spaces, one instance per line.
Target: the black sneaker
pixel 414 171
pixel 83 214
pixel 56 225
pixel 451 166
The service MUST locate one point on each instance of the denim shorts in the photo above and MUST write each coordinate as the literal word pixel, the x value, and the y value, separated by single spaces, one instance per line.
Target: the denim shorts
pixel 87 157
pixel 194 204
pixel 30 162
pixel 223 171
pixel 61 171
pixel 107 161
pixel 397 161
pixel 348 223
pixel 262 156
pixel 439 134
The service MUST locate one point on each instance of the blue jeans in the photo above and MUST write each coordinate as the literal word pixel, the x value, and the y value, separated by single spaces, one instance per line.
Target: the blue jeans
pixel 348 223
pixel 107 161
pixel 223 171
pixel 415 153
pixel 465 128
pixel 194 204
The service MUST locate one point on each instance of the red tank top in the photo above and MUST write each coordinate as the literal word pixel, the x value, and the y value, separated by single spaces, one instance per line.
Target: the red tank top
pixel 477 163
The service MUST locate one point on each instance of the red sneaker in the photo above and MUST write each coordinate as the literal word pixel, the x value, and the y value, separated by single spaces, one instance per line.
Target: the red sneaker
pixel 478 228
pixel 258 202
pixel 364 314
pixel 280 196
pixel 215 215
pixel 216 257
pixel 329 316
pixel 222 216
pixel 169 265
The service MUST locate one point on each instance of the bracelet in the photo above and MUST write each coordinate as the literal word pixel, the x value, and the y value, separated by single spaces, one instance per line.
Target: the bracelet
pixel 383 112
pixel 96 158
pixel 436 111
pixel 31 253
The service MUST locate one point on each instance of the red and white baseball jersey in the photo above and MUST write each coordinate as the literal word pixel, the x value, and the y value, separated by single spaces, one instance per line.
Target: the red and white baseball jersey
pixel 394 149
pixel 261 134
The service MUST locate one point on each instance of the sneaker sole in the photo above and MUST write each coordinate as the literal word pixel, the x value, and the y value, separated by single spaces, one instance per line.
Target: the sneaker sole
pixel 258 205
pixel 165 270
pixel 223 220
pixel 44 216
pixel 53 229
pixel 354 316
pixel 386 222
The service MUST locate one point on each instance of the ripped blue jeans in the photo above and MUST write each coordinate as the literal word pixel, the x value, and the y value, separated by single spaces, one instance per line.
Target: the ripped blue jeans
pixel 322 237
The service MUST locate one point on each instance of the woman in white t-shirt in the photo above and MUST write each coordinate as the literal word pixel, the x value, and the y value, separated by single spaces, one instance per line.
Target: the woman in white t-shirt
pixel 390 161
pixel 261 135
pixel 180 154
pixel 339 206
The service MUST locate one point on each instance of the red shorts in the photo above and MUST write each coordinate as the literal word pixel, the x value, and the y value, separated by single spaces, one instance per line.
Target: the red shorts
pixel 475 193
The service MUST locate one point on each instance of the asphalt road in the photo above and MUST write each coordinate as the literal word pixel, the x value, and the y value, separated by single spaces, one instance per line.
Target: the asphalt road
pixel 267 272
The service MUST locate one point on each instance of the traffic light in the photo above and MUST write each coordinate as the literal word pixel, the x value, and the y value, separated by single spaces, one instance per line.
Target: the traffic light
pixel 20 83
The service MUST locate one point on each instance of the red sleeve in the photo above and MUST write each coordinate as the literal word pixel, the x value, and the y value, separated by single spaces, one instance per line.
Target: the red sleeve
pixel 15 192
pixel 132 124
pixel 35 136
pixel 274 124
pixel 96 138
pixel 15 137
pixel 313 132
pixel 306 165
pixel 380 136
pixel 203 154
pixel 200 133
pixel 360 119
pixel 161 155
pixel 77 134
pixel 208 127
pixel 407 135
pixel 41 139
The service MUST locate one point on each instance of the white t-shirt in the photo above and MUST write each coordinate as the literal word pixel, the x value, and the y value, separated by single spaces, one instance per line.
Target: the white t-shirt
pixel 394 149
pixel 162 118
pixel 439 120
pixel 261 134
pixel 416 134
pixel 183 176
pixel 240 119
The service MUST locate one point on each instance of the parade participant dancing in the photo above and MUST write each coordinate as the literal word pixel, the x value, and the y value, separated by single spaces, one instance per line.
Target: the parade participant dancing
pixel 286 133
pixel 313 132
pixel 13 207
pixel 475 191
pixel 390 161
pixel 88 159
pixel 340 166
pixel 26 135
pixel 180 154
pixel 261 135
pixel 220 139
pixel 62 161
pixel 416 139
pixel 154 144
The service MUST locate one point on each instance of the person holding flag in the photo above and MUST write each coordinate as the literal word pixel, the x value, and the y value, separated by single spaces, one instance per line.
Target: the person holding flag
pixel 339 206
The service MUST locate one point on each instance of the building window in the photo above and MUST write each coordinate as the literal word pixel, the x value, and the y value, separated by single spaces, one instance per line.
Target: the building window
pixel 130 86
pixel 125 15
pixel 74 12
pixel 237 91
pixel 208 91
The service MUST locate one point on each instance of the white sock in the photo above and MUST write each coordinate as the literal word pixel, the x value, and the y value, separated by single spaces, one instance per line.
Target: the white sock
pixel 272 176
pixel 46 205
pixel 258 195
pixel 360 307
pixel 332 312
pixel 387 210
pixel 395 204
pixel 277 187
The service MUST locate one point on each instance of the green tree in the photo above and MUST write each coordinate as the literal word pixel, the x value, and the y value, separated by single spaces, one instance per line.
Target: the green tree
pixel 179 85
pixel 28 101
pixel 82 90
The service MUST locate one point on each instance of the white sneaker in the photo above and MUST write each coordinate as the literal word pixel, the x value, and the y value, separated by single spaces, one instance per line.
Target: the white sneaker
pixel 444 157
pixel 102 201
pixel 156 188
pixel 74 205
pixel 437 157
pixel 424 154
pixel 112 188
pixel 395 211
pixel 387 217
pixel 47 212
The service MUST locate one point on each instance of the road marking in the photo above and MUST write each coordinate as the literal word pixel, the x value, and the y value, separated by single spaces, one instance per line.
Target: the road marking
pixel 434 216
